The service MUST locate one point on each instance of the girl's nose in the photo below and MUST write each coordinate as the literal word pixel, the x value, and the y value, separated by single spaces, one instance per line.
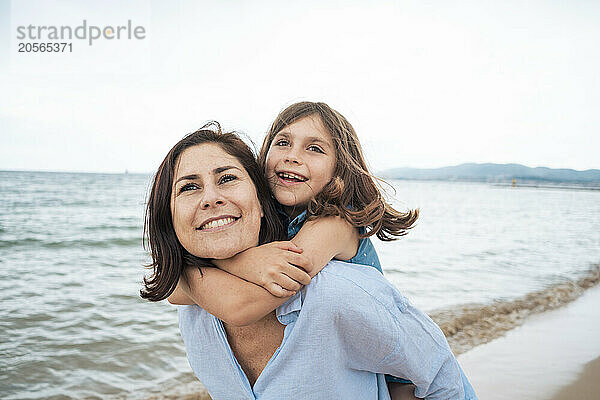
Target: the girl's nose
pixel 292 157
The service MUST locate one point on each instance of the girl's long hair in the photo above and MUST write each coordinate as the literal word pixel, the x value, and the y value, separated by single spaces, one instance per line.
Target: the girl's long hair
pixel 352 192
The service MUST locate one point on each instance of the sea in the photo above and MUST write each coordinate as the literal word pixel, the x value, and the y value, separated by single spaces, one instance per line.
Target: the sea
pixel 72 323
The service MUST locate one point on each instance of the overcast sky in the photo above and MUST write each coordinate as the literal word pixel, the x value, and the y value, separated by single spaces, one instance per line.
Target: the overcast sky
pixel 425 83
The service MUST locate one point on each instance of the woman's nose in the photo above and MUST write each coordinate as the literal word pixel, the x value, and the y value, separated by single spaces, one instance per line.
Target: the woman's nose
pixel 212 197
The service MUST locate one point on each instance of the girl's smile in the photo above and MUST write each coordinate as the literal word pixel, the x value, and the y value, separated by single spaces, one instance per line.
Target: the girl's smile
pixel 288 177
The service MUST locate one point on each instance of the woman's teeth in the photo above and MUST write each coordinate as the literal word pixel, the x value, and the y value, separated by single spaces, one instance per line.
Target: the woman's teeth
pixel 217 223
pixel 291 177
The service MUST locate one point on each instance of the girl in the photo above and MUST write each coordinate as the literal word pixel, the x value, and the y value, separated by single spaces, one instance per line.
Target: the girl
pixel 330 205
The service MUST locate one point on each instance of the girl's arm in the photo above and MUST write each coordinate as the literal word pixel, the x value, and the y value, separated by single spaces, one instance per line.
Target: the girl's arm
pixel 225 296
pixel 276 266
pixel 322 239
pixel 326 238
pixel 239 302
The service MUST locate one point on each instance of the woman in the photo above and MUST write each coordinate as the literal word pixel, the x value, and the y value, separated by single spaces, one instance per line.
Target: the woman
pixel 210 201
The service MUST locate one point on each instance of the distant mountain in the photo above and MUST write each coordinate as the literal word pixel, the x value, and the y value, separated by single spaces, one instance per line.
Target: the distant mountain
pixel 498 173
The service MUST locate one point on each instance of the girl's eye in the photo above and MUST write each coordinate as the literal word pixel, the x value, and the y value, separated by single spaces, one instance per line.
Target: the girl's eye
pixel 188 187
pixel 282 142
pixel 227 178
pixel 315 149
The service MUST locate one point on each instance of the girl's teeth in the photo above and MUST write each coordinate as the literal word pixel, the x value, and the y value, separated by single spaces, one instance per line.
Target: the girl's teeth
pixel 291 176
pixel 217 223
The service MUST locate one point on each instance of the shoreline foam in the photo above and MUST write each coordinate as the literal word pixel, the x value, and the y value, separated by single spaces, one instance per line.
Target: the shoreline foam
pixel 472 325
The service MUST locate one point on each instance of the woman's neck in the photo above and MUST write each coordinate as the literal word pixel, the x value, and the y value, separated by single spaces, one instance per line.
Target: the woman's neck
pixel 254 345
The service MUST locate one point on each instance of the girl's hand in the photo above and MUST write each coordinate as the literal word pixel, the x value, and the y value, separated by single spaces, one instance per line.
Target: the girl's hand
pixel 279 267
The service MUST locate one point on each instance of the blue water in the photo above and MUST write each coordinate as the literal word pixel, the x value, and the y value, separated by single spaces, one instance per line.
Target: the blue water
pixel 72 324
pixel 477 242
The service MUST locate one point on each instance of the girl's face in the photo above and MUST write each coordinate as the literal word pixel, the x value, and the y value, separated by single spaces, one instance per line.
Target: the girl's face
pixel 215 208
pixel 300 162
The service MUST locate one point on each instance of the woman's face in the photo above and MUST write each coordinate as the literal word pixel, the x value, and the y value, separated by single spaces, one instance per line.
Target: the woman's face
pixel 216 212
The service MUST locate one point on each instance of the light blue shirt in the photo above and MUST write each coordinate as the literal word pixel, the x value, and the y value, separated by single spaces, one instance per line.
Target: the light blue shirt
pixel 332 348
pixel 365 255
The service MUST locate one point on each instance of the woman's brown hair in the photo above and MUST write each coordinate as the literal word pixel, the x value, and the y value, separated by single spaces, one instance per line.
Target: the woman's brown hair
pixel 352 192
pixel 169 258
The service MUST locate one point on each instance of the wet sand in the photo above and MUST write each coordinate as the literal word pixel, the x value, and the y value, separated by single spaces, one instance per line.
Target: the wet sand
pixel 472 325
pixel 587 385
pixel 543 357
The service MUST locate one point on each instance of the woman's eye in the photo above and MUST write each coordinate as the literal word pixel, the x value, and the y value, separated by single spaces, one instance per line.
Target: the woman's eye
pixel 227 178
pixel 282 142
pixel 316 149
pixel 187 187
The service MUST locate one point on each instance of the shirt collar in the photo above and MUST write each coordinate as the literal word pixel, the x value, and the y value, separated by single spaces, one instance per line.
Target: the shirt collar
pixel 299 219
pixel 294 225
pixel 288 311
pixel 284 217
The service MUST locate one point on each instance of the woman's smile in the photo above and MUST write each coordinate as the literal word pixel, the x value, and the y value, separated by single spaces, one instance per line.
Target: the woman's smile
pixel 218 223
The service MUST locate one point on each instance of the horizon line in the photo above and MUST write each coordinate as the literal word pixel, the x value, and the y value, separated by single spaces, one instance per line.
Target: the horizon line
pixel 126 171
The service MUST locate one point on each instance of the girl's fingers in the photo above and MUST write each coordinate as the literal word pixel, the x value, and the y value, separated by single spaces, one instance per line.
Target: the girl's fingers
pixel 300 261
pixel 290 246
pixel 298 275
pixel 288 283
pixel 278 291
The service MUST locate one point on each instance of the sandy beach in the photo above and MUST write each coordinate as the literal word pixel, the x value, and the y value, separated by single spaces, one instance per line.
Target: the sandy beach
pixel 587 385
pixel 553 355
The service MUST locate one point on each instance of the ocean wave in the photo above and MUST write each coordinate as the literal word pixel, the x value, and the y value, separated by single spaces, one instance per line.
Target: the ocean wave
pixel 71 243
pixel 113 227
pixel 471 325
pixel 4 244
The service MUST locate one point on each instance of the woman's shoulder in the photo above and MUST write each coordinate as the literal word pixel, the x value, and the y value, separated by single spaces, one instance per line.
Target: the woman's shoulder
pixel 343 283
pixel 192 312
